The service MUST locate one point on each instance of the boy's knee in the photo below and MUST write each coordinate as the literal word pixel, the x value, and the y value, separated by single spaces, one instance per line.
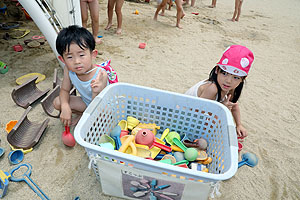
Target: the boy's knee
pixel 56 103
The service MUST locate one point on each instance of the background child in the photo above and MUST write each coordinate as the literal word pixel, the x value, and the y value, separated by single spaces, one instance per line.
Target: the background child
pixel 213 4
pixel 93 6
pixel 237 10
pixel 76 48
pixel 117 4
pixel 226 82
pixel 180 13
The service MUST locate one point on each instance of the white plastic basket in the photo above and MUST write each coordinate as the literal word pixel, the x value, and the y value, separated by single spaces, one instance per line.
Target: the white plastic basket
pixel 193 116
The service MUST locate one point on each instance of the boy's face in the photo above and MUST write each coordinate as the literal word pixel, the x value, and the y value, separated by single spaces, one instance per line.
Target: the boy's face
pixel 78 60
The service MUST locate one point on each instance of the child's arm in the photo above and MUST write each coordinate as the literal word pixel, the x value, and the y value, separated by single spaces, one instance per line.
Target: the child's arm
pixel 99 83
pixel 64 96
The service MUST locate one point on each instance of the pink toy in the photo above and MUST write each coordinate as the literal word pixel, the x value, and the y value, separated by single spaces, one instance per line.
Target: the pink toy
pixel 68 138
pixel 146 137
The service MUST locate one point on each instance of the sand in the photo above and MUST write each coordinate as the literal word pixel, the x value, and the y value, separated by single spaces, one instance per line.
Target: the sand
pixel 174 59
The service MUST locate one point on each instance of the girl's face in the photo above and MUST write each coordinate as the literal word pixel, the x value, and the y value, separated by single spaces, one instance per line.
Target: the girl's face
pixel 228 81
pixel 79 60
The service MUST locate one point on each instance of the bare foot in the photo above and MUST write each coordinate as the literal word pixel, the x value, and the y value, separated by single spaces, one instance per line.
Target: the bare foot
pixel 233 19
pixel 212 6
pixel 178 26
pixel 119 31
pixel 183 14
pixel 237 19
pixel 108 26
pixel 155 17
pixel 162 14
pixel 98 40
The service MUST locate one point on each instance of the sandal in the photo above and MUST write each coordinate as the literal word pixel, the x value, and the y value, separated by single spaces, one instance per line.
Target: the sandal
pixel 9 25
pixel 22 33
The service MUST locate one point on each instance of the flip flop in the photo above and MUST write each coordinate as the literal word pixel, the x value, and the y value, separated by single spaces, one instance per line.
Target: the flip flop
pixel 9 25
pixel 29 76
pixel 25 32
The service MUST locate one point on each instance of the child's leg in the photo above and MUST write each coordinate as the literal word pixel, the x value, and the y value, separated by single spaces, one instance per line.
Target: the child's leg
pixel 170 4
pixel 213 4
pixel 110 12
pixel 163 11
pixel 84 12
pixel 236 6
pixel 180 13
pixel 94 12
pixel 119 4
pixel 76 104
pixel 239 10
pixel 193 3
pixel 159 7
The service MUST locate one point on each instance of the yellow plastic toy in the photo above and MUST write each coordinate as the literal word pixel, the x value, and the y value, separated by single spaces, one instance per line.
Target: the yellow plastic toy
pixel 132 122
pixel 152 127
pixel 128 141
pixel 155 150
pixel 123 125
pixel 29 76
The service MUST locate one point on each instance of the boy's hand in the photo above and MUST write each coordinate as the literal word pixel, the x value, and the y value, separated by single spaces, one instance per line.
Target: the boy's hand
pixel 99 83
pixel 241 131
pixel 66 115
pixel 228 103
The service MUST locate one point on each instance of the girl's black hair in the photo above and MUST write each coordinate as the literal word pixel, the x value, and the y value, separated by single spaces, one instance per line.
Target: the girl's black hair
pixel 237 91
pixel 74 34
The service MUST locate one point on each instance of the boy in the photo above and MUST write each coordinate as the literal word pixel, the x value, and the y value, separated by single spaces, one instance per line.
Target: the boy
pixel 93 5
pixel 76 48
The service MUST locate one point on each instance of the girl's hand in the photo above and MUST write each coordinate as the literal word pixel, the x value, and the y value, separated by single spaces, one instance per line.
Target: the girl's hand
pixel 99 83
pixel 241 131
pixel 228 103
pixel 66 115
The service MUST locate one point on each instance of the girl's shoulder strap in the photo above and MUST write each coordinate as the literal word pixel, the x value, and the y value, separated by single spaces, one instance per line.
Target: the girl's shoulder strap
pixel 111 73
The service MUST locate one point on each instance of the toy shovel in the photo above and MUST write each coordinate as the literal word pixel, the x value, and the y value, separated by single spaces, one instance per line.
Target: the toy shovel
pixel 190 154
pixel 68 138
pixel 249 159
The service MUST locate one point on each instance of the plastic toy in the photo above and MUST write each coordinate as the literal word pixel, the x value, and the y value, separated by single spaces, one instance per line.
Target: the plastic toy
pixel 15 157
pixel 2 151
pixel 132 122
pixel 127 141
pixel 189 153
pixel 168 156
pixel 123 125
pixel 136 12
pixel 202 155
pixel 249 159
pixel 18 48
pixel 9 126
pixel 20 33
pixel 152 127
pixel 156 150
pixel 179 156
pixel 68 138
pixel 107 145
pixel 142 45
pixel 240 146
pixel 26 177
pixel 107 139
pixel 4 180
pixel 26 77
pixel 25 134
pixel 116 131
pixel 170 136
pixel 200 144
pixel 207 161
pixel 3 68
pixel 117 142
pixel 146 137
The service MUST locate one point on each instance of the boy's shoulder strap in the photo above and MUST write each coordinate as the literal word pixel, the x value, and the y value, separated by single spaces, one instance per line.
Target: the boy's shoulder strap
pixel 111 73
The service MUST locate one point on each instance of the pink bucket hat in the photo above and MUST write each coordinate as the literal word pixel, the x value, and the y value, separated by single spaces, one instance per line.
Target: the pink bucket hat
pixel 236 60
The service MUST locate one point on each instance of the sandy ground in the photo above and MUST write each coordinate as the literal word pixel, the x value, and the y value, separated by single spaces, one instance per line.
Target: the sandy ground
pixel 174 59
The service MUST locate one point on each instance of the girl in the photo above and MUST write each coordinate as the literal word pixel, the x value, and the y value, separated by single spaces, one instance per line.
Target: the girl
pixel 226 80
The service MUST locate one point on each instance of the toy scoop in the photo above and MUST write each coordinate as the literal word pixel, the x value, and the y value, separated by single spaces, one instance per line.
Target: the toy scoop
pixel 68 138
pixel 190 154
pixel 146 137
pixel 249 159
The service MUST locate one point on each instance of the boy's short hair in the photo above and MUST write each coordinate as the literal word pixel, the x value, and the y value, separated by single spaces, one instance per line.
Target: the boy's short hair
pixel 74 34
